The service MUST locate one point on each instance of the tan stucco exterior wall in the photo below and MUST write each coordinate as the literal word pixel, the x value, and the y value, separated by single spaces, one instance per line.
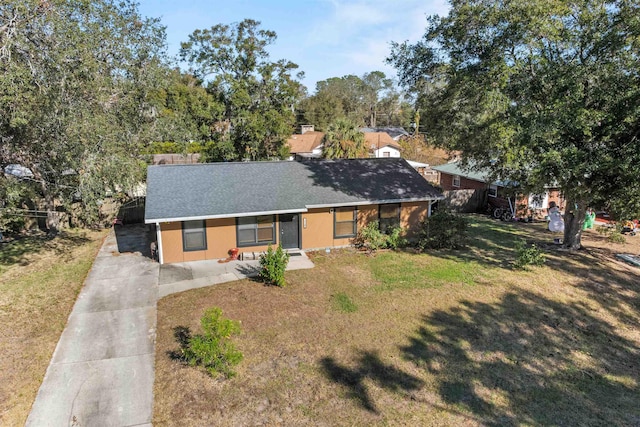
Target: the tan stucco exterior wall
pixel 316 232
pixel 411 215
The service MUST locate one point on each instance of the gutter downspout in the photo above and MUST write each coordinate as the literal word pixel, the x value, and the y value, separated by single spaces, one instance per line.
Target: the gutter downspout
pixel 159 239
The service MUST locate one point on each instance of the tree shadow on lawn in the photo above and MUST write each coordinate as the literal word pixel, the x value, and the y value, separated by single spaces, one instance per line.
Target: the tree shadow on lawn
pixel 17 250
pixel 528 359
pixel 614 286
pixel 369 366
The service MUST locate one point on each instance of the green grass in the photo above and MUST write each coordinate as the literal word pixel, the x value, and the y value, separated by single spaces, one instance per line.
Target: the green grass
pixel 410 271
pixel 342 302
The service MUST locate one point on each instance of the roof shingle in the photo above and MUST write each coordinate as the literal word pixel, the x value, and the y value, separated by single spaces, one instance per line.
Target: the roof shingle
pixel 215 190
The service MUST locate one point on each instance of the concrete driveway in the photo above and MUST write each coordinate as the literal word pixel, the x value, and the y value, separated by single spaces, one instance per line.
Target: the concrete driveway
pixel 101 372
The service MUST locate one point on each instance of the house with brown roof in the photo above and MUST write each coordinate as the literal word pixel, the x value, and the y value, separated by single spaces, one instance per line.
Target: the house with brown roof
pixel 380 144
pixel 309 144
pixel 306 145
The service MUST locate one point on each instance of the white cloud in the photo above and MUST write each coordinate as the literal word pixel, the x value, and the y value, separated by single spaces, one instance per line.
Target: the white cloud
pixel 359 32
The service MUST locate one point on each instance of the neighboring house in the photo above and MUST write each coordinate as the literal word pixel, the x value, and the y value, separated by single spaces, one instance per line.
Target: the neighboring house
pixel 394 132
pixel 306 145
pixel 380 144
pixel 202 211
pixel 454 180
pixel 426 171
pixel 175 159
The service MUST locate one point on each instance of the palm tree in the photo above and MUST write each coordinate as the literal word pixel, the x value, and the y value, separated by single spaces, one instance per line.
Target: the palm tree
pixel 344 141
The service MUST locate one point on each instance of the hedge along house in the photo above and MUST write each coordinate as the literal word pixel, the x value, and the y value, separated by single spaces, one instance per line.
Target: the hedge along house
pixel 202 211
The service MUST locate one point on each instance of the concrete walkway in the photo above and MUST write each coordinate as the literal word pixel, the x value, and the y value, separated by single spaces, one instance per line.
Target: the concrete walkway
pixel 183 276
pixel 102 370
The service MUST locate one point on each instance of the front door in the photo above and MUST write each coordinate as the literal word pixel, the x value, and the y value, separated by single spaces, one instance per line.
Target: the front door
pixel 289 231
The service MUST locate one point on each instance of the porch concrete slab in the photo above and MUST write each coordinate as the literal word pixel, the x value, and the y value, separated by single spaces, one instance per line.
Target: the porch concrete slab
pixel 203 282
pixel 170 273
pixel 112 392
pixel 199 274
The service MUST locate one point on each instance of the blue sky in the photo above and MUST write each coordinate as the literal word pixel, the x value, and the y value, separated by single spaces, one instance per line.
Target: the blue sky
pixel 326 38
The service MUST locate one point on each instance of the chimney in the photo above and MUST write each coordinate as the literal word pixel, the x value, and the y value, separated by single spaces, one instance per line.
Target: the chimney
pixel 306 128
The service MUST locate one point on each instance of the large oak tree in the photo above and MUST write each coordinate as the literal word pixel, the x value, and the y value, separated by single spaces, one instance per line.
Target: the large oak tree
pixel 75 78
pixel 258 94
pixel 545 92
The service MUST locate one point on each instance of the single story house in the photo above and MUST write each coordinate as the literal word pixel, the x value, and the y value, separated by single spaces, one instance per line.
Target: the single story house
pixel 380 144
pixel 394 132
pixel 306 145
pixel 202 211
pixel 454 177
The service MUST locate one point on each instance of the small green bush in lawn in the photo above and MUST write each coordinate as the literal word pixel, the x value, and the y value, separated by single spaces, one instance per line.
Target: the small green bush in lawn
pixel 613 234
pixel 342 302
pixel 527 255
pixel 213 349
pixel 443 230
pixel 273 265
pixel 372 239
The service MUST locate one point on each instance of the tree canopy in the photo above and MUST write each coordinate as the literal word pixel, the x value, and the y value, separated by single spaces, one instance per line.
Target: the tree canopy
pixel 542 92
pixel 371 100
pixel 258 95
pixel 75 78
pixel 344 140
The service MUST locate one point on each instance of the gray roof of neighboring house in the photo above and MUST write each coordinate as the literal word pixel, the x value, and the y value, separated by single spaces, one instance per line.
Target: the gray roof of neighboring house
pixel 482 175
pixel 394 132
pixel 216 190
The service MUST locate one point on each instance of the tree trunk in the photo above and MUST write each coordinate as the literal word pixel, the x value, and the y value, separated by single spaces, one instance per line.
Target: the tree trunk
pixel 53 220
pixel 574 214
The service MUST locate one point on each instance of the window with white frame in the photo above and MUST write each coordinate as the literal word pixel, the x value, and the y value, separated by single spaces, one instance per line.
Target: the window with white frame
pixel 539 201
pixel 344 222
pixel 455 181
pixel 256 230
pixel 194 236
pixel 493 190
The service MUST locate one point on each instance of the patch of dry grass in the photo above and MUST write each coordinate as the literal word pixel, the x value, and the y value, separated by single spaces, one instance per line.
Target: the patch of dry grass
pixel 39 282
pixel 460 338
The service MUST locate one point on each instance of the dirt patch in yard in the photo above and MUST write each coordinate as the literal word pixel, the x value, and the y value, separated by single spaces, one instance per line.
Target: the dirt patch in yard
pixel 460 338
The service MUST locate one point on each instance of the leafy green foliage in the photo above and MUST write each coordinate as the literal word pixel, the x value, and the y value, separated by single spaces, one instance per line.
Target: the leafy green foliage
pixel 344 140
pixel 527 255
pixel 539 92
pixel 256 93
pixel 371 100
pixel 444 230
pixel 371 238
pixel 613 234
pixel 342 302
pixel 75 96
pixel 273 264
pixel 213 349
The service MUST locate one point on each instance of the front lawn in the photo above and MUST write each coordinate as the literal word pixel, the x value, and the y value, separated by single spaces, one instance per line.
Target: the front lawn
pixel 39 282
pixel 444 338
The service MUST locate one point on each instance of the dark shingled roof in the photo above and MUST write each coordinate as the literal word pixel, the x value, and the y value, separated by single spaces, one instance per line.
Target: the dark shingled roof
pixel 214 190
